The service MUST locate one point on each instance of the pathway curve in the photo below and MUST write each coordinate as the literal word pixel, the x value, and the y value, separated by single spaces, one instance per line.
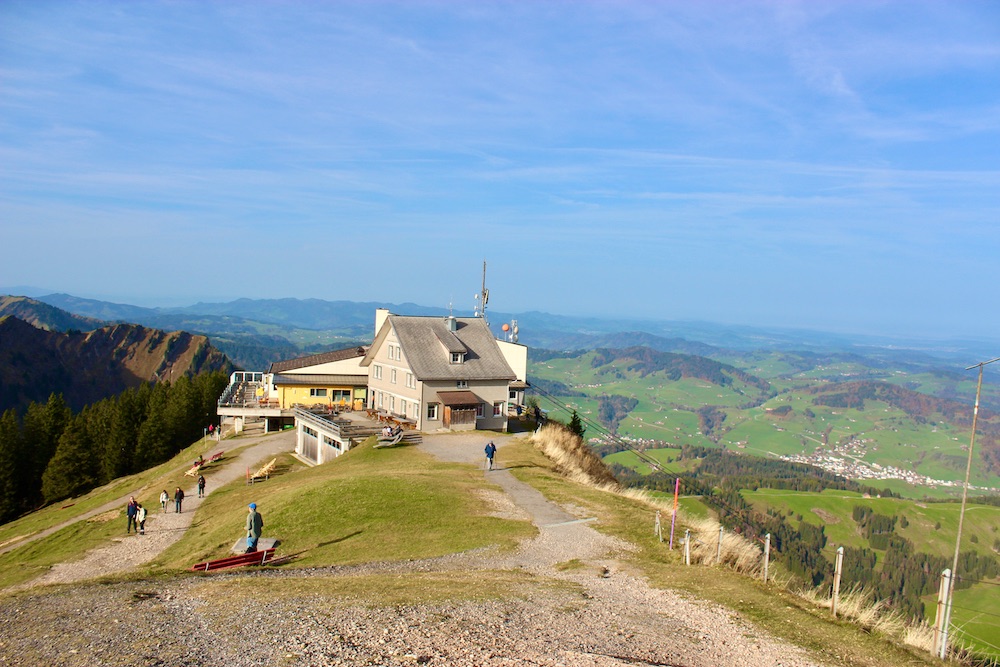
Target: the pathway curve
pixel 162 529
pixel 662 626
pixel 603 617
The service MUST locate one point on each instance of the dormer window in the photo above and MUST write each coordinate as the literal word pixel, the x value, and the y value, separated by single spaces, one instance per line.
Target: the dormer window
pixel 458 357
pixel 462 384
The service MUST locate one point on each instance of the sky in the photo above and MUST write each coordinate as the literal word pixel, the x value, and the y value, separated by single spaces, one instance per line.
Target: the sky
pixel 818 165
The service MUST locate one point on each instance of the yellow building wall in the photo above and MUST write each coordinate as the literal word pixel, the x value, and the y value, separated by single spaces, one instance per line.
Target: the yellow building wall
pixel 289 396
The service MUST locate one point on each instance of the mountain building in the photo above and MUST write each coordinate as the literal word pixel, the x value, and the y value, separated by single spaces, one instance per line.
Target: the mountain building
pixel 438 373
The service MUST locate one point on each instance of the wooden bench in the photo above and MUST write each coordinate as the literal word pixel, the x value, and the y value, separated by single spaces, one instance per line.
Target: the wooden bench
pixel 252 558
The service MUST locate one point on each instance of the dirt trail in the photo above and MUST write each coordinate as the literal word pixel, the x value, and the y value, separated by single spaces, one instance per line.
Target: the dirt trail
pixel 162 528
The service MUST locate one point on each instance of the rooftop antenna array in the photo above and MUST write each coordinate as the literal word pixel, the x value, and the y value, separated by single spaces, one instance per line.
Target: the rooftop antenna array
pixel 482 298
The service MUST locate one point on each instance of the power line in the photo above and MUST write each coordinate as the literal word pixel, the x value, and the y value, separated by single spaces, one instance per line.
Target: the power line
pixel 976 611
pixel 968 635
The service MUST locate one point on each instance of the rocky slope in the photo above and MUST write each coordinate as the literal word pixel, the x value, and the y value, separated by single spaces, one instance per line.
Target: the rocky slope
pixel 86 367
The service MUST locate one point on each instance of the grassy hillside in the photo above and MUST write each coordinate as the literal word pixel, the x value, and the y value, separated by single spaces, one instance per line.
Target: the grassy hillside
pixel 399 504
pixel 882 440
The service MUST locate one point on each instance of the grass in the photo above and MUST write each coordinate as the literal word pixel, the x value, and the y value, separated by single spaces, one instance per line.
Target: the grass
pixel 399 504
pixel 833 510
pixel 976 615
pixel 369 504
pixel 666 412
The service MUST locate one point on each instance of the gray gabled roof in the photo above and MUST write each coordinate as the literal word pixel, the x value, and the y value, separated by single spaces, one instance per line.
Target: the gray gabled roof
pixel 316 359
pixel 428 343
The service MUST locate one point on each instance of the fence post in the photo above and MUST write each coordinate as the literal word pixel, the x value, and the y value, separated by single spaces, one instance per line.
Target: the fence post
pixel 940 629
pixel 718 550
pixel 673 519
pixel 837 572
pixel 659 527
pixel 767 554
pixel 687 547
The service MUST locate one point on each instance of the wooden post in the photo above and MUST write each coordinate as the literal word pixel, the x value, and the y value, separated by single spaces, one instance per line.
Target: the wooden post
pixel 687 547
pixel 718 550
pixel 940 635
pixel 767 554
pixel 837 572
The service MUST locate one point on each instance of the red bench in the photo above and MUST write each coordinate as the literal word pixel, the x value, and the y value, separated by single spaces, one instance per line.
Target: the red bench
pixel 252 558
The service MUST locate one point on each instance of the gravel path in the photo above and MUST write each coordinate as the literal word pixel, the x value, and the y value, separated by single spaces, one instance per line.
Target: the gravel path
pixel 597 615
pixel 165 528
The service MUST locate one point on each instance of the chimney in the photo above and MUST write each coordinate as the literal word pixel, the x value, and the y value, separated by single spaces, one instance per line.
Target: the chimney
pixel 381 315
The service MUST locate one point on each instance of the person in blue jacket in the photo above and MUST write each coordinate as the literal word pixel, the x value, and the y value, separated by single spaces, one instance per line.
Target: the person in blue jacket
pixel 491 451
pixel 255 524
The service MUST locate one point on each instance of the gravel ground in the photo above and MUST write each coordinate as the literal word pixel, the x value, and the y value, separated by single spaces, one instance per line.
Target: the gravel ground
pixel 594 614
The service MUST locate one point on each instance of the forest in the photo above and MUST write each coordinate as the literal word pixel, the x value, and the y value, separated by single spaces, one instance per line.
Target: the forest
pixel 48 453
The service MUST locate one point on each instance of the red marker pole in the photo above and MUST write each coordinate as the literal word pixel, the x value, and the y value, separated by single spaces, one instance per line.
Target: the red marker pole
pixel 673 519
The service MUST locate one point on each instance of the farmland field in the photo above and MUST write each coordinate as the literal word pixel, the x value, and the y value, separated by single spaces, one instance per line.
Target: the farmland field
pixel 778 410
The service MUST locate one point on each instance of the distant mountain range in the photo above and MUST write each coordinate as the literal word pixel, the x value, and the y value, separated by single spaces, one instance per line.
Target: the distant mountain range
pixel 256 332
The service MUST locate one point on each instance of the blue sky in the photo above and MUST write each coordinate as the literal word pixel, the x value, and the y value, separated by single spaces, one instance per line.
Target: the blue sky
pixel 820 165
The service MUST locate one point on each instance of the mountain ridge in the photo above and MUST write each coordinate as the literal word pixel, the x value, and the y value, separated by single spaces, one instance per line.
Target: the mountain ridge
pixel 86 367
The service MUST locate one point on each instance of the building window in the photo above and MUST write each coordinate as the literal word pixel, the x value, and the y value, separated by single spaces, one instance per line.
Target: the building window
pixel 512 395
pixel 479 410
pixel 317 392
pixel 498 408
pixel 410 382
pixel 391 355
pixel 402 406
pixel 432 411
pixel 392 376
pixel 462 384
pixel 376 371
pixel 392 403
pixel 457 357
pixel 381 399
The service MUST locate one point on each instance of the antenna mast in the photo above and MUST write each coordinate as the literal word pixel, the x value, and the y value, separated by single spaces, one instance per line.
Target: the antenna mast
pixel 483 297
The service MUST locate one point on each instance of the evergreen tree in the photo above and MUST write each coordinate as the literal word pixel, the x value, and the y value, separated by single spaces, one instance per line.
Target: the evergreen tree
pixel 575 425
pixel 154 442
pixel 42 426
pixel 13 481
pixel 74 468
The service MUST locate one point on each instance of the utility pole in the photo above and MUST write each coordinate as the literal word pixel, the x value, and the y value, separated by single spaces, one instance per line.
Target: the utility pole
pixel 961 515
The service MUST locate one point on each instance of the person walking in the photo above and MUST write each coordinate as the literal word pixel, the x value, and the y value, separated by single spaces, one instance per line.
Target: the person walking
pixel 140 519
pixel 164 497
pixel 130 510
pixel 255 524
pixel 491 451
pixel 178 499
pixel 201 486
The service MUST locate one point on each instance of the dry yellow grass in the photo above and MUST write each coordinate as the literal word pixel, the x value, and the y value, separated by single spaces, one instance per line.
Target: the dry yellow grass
pixel 576 462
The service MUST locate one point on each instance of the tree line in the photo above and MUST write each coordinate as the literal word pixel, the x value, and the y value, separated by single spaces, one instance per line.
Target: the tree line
pixel 48 453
